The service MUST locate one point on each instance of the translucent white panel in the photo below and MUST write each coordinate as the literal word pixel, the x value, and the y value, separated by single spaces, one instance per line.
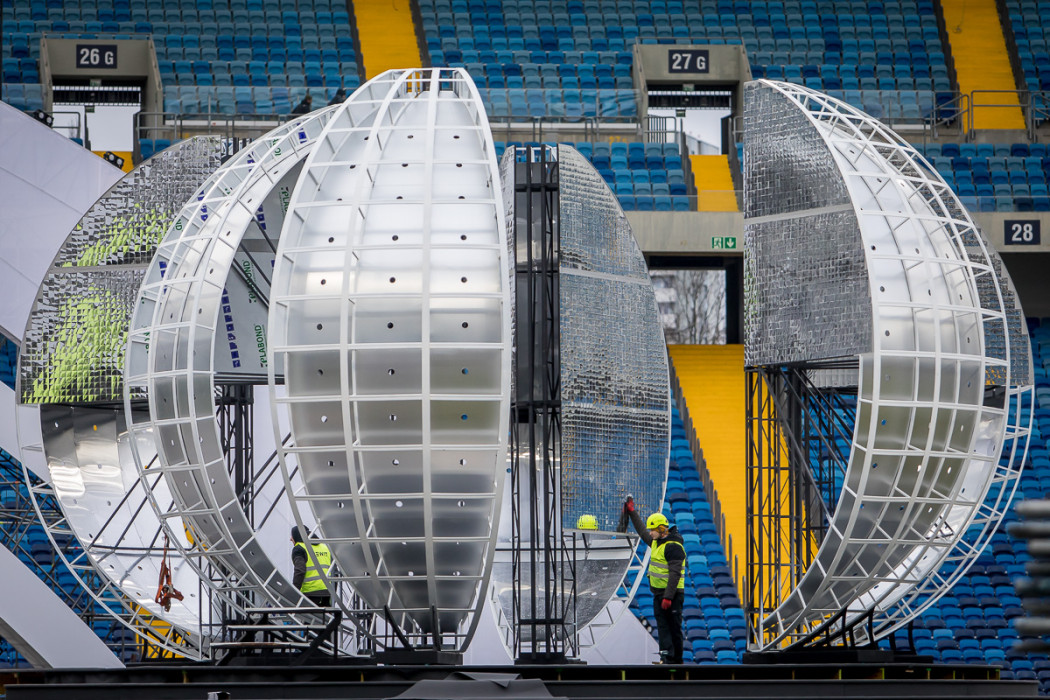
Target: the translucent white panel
pixel 390 311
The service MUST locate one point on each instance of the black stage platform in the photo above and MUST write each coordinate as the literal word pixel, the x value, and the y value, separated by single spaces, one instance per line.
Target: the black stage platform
pixel 774 681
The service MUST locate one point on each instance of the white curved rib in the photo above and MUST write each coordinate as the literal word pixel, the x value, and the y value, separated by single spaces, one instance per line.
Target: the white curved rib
pixel 391 317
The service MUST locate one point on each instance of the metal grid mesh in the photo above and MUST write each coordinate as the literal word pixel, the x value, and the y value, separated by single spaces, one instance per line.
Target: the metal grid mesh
pixel 615 393
pixel 805 286
pixel 805 279
pixel 74 342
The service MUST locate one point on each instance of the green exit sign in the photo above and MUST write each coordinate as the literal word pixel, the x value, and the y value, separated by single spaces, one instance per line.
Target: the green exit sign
pixel 723 242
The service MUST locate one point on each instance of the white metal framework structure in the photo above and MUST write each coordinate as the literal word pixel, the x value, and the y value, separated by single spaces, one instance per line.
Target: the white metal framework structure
pixel 391 316
pixel 940 434
pixel 68 375
pixel 203 286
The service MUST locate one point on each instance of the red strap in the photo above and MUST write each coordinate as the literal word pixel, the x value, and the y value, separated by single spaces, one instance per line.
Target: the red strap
pixel 165 590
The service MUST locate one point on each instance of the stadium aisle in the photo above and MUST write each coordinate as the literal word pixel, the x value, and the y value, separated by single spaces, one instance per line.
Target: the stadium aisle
pixel 982 62
pixel 714 183
pixel 387 35
pixel 712 382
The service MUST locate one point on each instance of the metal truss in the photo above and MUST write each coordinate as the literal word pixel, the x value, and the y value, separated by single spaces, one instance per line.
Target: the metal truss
pixel 543 576
pixel 559 588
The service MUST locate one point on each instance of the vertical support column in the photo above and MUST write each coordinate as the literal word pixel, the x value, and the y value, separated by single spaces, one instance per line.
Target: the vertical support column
pixel 763 507
pixel 540 599
pixel 236 402
pixel 734 268
pixel 773 537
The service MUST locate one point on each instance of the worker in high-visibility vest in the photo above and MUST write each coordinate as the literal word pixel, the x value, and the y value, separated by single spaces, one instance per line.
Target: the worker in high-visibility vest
pixel 306 575
pixel 666 578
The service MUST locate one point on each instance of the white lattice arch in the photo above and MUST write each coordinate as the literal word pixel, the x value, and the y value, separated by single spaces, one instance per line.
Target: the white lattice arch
pixel 924 485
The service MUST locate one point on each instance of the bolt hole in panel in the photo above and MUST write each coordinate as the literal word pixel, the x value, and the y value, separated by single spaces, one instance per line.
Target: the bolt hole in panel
pixel 72 368
pixel 202 320
pixel 898 247
pixel 374 325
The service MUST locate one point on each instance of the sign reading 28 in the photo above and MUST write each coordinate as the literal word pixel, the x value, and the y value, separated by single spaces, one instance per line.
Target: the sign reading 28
pixel 1022 232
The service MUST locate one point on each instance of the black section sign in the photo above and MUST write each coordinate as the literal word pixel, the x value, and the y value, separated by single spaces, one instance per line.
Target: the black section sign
pixel 96 55
pixel 688 61
pixel 1021 231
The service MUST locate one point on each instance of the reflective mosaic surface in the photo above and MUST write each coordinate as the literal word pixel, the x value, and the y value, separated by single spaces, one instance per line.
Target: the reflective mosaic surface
pixel 615 394
pixel 74 342
pixel 805 278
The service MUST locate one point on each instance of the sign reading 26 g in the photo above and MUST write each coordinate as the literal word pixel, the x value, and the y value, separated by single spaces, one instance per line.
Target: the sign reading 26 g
pixel 96 55
pixel 1021 232
pixel 688 61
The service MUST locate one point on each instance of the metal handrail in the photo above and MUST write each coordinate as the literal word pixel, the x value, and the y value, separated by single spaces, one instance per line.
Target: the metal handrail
pixel 960 115
pixel 78 128
pixel 1037 110
pixel 974 104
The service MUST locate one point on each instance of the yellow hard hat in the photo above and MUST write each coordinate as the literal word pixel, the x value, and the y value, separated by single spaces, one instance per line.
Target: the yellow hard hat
pixel 587 522
pixel 656 520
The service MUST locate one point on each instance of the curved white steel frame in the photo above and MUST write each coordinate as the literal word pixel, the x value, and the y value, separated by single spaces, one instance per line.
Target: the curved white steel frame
pixel 121 543
pixel 926 447
pixel 391 316
pixel 87 453
pixel 172 351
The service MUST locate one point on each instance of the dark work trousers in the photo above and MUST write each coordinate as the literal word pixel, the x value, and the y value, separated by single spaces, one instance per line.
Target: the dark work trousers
pixel 320 599
pixel 669 626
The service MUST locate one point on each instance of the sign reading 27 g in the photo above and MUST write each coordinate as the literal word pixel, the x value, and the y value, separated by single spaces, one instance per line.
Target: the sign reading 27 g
pixel 688 61
pixel 96 55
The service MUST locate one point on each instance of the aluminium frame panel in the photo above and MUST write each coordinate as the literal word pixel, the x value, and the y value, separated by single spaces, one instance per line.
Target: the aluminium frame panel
pixel 391 316
pixel 927 444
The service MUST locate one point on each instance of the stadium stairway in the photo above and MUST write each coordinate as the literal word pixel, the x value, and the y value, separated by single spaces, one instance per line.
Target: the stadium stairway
pixel 982 62
pixel 714 183
pixel 387 35
pixel 710 380
pixel 713 620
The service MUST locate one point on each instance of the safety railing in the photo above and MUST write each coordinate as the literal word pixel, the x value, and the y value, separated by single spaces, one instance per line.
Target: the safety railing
pixel 1007 203
pixel 1037 112
pixel 710 201
pixel 985 103
pixel 957 117
pixel 72 125
pixel 661 200
pixel 950 118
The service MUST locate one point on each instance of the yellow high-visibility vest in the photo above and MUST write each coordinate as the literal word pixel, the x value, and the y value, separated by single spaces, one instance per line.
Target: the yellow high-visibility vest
pixel 312 581
pixel 658 571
